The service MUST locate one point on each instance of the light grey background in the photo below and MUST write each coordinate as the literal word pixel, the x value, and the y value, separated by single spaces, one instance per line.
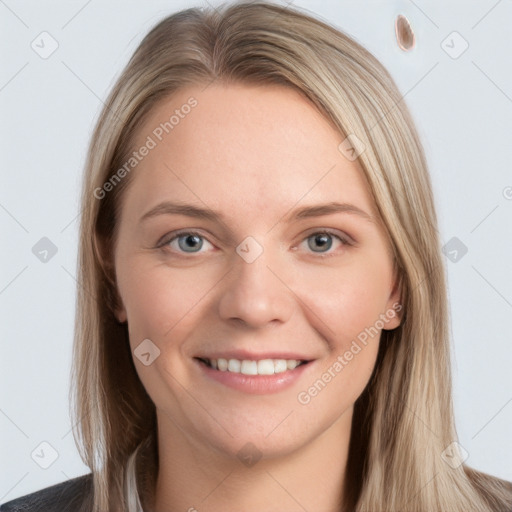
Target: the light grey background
pixel 462 106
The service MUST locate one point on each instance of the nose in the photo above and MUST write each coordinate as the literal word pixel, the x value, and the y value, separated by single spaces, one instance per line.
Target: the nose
pixel 256 294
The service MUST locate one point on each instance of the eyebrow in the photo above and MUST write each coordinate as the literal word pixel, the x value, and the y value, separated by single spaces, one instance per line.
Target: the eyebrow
pixel 306 212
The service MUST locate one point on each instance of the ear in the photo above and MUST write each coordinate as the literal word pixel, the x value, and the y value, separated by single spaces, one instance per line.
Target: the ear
pixel 394 305
pixel 120 313
pixel 112 297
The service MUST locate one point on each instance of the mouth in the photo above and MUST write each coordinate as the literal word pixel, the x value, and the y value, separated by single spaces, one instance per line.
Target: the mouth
pixel 252 373
pixel 252 366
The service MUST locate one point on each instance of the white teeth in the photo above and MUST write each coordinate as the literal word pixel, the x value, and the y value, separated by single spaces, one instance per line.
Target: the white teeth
pixel 280 365
pixel 234 365
pixel 250 367
pixel 291 364
pixel 266 367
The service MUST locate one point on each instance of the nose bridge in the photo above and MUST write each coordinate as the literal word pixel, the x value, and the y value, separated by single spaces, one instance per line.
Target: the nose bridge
pixel 254 293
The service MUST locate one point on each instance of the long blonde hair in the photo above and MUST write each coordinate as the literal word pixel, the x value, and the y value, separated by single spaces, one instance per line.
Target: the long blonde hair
pixel 404 419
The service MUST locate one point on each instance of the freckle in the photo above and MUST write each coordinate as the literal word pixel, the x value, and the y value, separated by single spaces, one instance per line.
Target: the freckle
pixel 404 34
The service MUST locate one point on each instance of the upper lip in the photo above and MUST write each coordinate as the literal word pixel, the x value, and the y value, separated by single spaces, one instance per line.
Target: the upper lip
pixel 245 354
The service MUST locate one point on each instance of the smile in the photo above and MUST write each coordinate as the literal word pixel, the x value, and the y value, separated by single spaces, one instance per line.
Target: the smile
pixel 260 377
pixel 252 367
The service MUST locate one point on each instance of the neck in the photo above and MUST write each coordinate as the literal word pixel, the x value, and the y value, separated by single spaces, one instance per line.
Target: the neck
pixel 193 478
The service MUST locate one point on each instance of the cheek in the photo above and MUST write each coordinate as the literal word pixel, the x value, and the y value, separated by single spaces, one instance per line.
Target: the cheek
pixel 158 300
pixel 345 307
pixel 346 301
pixel 162 305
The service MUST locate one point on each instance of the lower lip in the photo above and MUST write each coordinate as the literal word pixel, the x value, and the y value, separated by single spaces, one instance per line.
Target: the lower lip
pixel 256 384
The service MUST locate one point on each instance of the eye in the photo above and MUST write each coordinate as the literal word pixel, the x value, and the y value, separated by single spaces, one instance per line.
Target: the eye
pixel 191 242
pixel 324 241
pixel 185 241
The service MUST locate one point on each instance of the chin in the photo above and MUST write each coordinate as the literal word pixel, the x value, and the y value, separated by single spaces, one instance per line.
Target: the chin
pixel 263 439
pixel 250 447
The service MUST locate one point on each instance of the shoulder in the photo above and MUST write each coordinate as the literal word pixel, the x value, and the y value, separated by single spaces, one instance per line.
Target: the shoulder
pixel 66 496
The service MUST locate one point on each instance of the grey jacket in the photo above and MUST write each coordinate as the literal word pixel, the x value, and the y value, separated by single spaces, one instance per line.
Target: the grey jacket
pixel 67 496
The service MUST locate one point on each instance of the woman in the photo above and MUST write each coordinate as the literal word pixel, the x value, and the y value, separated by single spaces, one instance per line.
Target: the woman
pixel 222 360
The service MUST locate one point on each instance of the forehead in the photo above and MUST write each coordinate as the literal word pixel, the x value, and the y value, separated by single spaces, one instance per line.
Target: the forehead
pixel 243 148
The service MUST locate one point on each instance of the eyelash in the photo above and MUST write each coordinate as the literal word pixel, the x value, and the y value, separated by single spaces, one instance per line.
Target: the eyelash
pixel 177 234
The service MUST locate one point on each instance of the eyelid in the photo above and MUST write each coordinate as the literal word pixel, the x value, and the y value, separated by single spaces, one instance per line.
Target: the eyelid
pixel 169 237
pixel 345 237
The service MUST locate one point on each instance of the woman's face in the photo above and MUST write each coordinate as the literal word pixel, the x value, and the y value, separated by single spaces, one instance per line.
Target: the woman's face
pixel 258 279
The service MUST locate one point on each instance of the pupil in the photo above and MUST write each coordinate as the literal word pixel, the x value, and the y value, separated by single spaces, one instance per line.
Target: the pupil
pixel 191 241
pixel 324 240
